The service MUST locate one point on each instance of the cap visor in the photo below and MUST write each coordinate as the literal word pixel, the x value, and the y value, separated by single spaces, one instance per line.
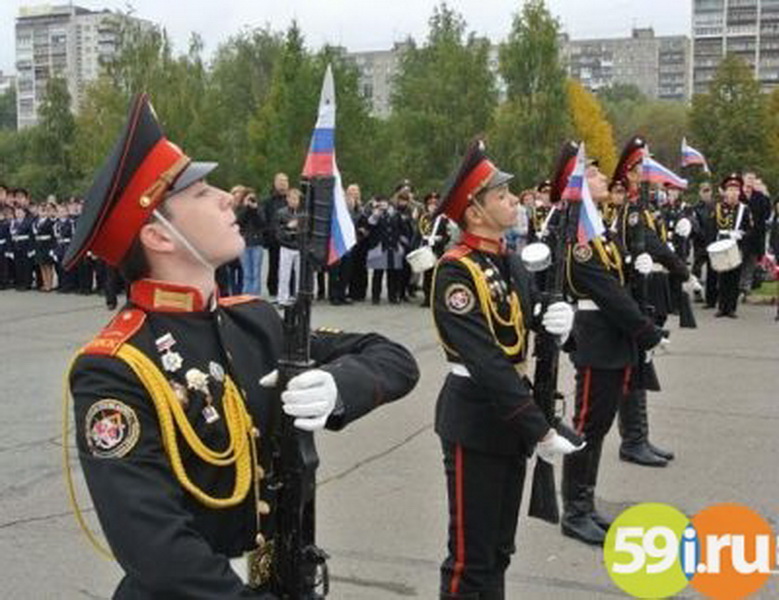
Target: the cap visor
pixel 194 172
pixel 500 178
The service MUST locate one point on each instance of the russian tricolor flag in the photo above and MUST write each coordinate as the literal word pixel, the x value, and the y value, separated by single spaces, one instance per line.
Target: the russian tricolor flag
pixel 653 172
pixel 590 224
pixel 691 156
pixel 321 162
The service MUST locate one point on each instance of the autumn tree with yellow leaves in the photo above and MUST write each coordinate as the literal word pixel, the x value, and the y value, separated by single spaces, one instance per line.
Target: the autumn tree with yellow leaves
pixel 591 125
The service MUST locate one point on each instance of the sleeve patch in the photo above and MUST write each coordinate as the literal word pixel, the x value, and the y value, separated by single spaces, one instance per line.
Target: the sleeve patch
pixel 582 253
pixel 112 429
pixel 459 299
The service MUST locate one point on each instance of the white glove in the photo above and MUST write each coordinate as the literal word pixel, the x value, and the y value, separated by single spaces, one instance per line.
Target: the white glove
pixel 558 319
pixel 692 285
pixel 662 348
pixel 736 235
pixel 555 445
pixel 643 263
pixel 683 228
pixel 309 398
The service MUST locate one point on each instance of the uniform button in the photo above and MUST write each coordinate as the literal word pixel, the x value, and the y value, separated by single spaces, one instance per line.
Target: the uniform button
pixel 229 356
pixel 260 540
pixel 263 508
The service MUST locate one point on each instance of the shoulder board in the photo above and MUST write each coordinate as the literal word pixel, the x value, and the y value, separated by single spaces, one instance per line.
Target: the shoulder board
pixel 331 330
pixel 117 332
pixel 235 300
pixel 457 252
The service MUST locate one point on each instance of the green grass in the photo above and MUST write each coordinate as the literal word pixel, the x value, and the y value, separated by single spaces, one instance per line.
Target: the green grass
pixel 769 288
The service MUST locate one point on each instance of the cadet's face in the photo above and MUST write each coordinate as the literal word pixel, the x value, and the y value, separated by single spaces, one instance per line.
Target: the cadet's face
pixel 598 184
pixel 204 216
pixel 500 204
pixel 732 194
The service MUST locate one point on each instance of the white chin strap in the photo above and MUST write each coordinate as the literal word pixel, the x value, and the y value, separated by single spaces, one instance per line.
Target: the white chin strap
pixel 184 241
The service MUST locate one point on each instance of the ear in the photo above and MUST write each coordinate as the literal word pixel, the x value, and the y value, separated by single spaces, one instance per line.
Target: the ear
pixel 156 238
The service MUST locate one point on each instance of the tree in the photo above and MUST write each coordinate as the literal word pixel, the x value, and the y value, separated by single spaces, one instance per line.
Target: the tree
pixel 532 124
pixel 8 109
pixel 51 169
pixel 621 102
pixel 591 125
pixel 280 130
pixel 729 122
pixel 444 96
pixel 239 83
pixel 663 123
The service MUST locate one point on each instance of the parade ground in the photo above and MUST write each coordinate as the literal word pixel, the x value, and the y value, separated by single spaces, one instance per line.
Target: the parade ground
pixel 381 502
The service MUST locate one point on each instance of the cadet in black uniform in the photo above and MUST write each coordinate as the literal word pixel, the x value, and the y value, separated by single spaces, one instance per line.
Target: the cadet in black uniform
pixel 608 334
pixel 730 219
pixel 660 261
pixel 171 399
pixel 483 307
pixel 63 234
pixel 6 254
pixel 23 247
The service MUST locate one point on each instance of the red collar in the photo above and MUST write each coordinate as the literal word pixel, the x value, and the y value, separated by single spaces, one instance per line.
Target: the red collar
pixel 162 296
pixel 483 244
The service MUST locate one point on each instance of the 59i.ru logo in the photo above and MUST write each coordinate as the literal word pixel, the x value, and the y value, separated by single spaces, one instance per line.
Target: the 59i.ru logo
pixel 725 552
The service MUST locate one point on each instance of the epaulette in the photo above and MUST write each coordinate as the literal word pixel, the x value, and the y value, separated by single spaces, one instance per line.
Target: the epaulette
pixel 457 252
pixel 332 330
pixel 234 300
pixel 121 328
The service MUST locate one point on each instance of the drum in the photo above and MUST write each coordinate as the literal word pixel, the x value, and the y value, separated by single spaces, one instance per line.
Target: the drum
pixel 536 257
pixel 724 255
pixel 422 259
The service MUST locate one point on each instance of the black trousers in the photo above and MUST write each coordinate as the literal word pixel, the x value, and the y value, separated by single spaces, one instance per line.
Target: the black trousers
pixel 23 270
pixel 484 491
pixel 339 278
pixel 358 281
pixel 273 269
pixel 598 392
pixel 394 284
pixel 712 284
pixel 728 291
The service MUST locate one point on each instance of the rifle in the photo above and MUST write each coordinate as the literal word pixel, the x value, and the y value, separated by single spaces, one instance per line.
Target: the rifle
pixel 646 377
pixel 298 566
pixel 543 498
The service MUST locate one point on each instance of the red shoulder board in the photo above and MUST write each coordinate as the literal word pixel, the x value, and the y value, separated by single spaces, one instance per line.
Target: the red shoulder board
pixel 457 252
pixel 119 330
pixel 233 300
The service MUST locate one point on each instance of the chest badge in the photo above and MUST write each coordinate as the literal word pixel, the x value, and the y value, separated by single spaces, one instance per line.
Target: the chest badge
pixel 171 361
pixel 198 382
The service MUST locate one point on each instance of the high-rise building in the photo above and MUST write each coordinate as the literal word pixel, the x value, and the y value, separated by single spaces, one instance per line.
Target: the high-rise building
pixel 6 82
pixel 657 65
pixel 60 41
pixel 746 28
pixel 377 71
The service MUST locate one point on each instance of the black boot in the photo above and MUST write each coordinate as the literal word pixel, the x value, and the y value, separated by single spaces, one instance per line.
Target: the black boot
pixel 666 454
pixel 578 499
pixel 633 428
pixel 601 520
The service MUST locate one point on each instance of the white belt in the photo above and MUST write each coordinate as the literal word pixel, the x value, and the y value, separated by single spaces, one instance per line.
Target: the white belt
pixel 658 268
pixel 43 237
pixel 587 305
pixel 460 370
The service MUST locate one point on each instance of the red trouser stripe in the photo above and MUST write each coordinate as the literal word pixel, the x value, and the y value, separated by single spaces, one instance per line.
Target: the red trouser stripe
pixel 585 411
pixel 459 564
pixel 626 381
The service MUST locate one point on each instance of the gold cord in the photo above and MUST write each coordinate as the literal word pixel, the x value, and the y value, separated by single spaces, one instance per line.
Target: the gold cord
pixel 170 413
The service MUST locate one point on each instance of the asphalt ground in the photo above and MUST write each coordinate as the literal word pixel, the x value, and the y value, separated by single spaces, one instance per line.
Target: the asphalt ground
pixel 381 499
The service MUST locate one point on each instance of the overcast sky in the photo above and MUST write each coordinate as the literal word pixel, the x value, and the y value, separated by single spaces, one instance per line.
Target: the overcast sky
pixel 367 24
